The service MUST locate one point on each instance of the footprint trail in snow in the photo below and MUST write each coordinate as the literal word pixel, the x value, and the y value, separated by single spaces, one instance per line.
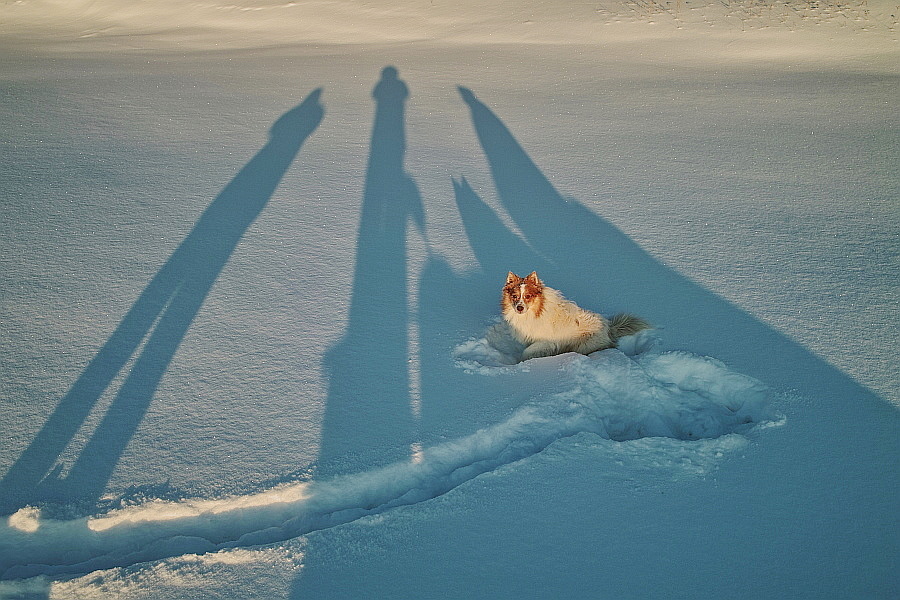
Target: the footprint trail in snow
pixel 610 394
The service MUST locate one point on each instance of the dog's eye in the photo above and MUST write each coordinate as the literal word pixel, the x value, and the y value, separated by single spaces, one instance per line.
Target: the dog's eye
pixel 529 296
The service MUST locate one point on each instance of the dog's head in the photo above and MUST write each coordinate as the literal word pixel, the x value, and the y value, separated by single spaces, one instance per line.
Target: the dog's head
pixel 521 294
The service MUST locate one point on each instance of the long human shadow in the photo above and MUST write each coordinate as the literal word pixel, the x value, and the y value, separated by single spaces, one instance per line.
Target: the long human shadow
pixel 368 416
pixel 602 268
pixel 593 259
pixel 158 319
pixel 597 264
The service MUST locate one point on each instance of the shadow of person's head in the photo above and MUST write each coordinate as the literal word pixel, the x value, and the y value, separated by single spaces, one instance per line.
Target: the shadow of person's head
pixel 300 121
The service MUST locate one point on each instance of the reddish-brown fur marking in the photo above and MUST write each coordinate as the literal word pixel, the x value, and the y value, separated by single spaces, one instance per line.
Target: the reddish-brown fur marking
pixel 533 292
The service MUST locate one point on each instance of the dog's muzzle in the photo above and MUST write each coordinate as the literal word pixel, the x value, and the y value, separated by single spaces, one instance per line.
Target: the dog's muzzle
pixel 520 307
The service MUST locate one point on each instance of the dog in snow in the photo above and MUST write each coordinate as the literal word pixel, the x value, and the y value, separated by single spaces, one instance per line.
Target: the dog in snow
pixel 547 324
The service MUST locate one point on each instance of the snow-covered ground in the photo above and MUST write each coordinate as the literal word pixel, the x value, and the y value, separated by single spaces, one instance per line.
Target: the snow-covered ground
pixel 251 261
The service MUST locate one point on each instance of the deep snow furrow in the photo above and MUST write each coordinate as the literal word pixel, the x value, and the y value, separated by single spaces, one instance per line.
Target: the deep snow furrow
pixel 163 529
pixel 614 396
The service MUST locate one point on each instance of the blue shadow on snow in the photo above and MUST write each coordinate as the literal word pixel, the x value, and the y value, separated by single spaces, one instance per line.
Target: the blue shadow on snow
pixel 599 266
pixel 368 413
pixel 158 319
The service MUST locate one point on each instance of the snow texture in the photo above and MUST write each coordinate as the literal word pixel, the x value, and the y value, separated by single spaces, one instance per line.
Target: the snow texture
pixel 616 397
pixel 252 255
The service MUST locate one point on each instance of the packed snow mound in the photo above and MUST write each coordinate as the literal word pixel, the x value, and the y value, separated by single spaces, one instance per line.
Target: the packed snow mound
pixel 610 394
pixel 631 391
pixel 499 348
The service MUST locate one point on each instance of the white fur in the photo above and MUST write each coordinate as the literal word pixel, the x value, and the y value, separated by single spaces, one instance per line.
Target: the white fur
pixel 562 326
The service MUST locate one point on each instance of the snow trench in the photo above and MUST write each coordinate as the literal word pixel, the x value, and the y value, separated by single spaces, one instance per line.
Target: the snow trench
pixel 618 394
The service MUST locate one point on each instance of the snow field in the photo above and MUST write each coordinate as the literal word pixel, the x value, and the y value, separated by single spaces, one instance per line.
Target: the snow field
pixel 725 170
pixel 615 396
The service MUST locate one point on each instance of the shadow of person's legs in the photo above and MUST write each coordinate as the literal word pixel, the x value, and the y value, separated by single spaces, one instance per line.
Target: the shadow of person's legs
pixel 161 316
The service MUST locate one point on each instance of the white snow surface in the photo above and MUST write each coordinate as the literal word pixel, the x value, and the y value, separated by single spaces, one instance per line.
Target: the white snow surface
pixel 252 255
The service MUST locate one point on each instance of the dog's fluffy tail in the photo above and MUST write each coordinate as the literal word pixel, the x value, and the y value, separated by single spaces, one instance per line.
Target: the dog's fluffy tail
pixel 624 324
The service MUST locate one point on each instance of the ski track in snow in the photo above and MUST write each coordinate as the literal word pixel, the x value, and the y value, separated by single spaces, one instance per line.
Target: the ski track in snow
pixel 620 394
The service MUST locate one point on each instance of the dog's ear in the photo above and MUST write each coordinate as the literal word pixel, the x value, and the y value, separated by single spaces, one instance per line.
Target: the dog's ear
pixel 533 278
pixel 511 277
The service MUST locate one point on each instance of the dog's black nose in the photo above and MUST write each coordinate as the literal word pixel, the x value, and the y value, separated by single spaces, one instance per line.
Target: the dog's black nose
pixel 520 308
